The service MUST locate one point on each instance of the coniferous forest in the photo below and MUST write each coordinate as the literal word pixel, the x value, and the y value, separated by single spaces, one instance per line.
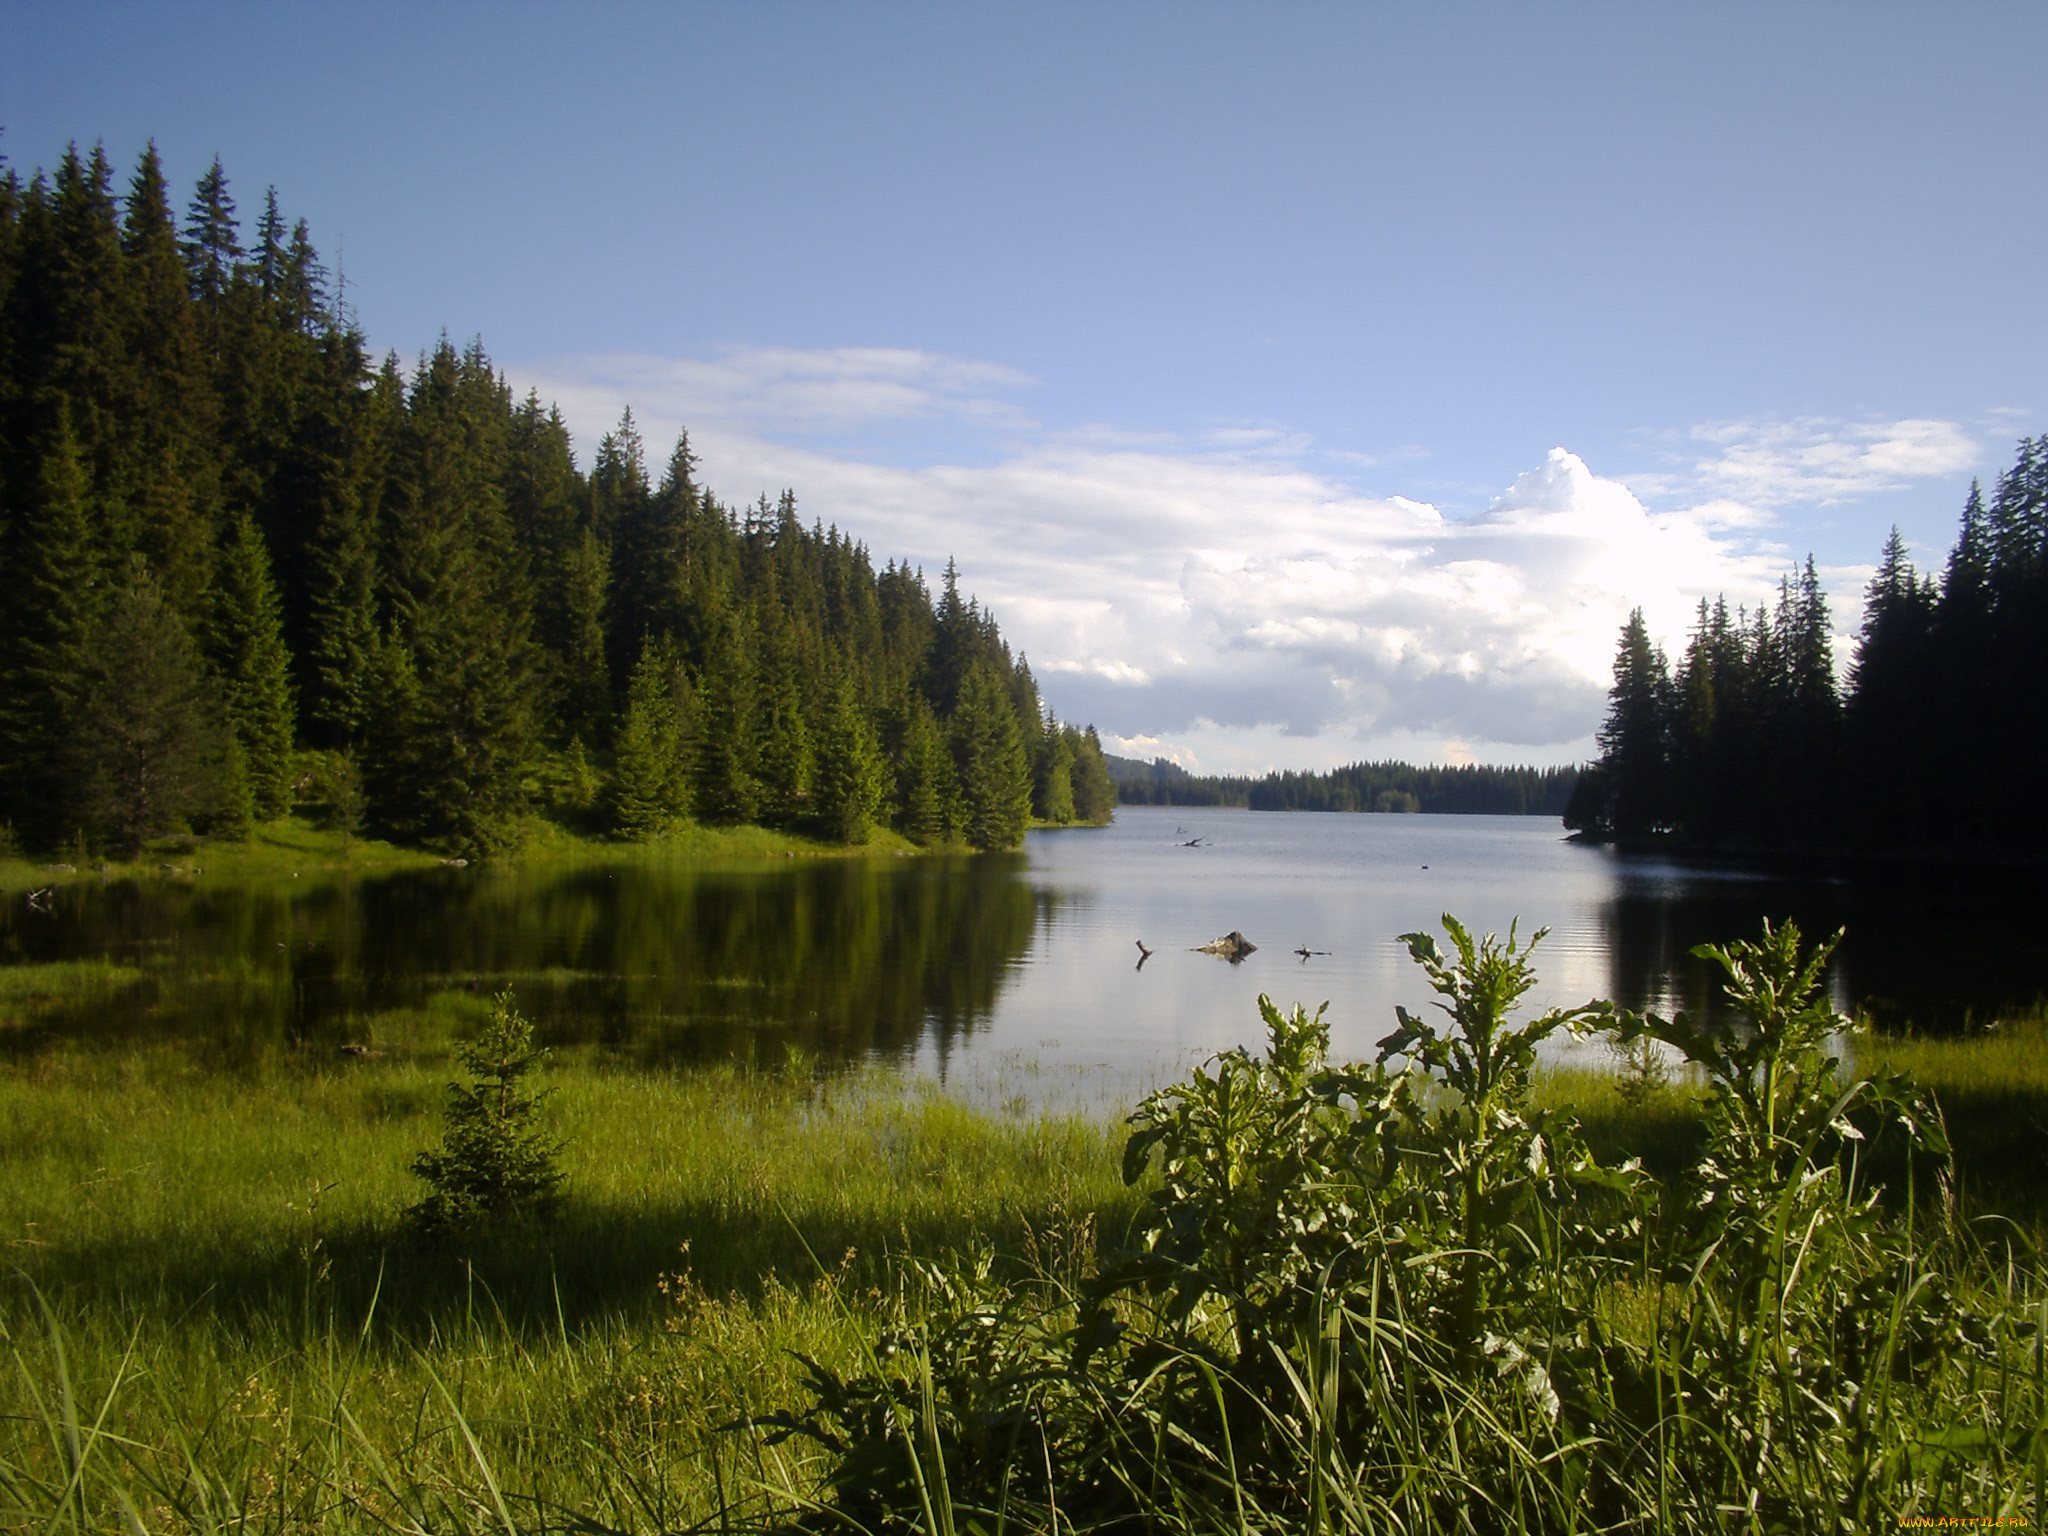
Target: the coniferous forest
pixel 1469 789
pixel 1931 750
pixel 250 569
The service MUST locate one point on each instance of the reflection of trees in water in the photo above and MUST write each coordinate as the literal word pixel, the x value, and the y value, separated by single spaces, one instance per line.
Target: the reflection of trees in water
pixel 1929 949
pixel 843 958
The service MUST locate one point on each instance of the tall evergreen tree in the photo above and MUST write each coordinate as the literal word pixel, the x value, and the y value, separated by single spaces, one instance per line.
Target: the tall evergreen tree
pixel 993 765
pixel 1634 739
pixel 848 785
pixel 650 789
pixel 448 768
pixel 145 744
pixel 928 807
pixel 1094 791
pixel 55 599
pixel 248 652
pixel 1052 773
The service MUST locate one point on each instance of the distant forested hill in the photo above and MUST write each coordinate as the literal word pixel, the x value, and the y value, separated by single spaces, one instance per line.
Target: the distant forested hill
pixel 1933 750
pixel 1474 790
pixel 245 567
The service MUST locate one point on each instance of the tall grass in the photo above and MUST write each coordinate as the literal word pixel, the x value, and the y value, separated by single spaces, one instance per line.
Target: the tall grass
pixel 212 1269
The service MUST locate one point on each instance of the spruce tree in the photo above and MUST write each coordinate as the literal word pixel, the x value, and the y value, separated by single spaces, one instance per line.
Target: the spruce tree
pixel 495 1164
pixel 213 254
pixel 848 794
pixel 249 654
pixel 337 468
pixel 55 599
pixel 1633 740
pixel 146 745
pixel 1094 789
pixel 994 768
pixel 650 784
pixel 1052 773
pixel 447 764
pixel 167 399
pixel 724 787
pixel 927 784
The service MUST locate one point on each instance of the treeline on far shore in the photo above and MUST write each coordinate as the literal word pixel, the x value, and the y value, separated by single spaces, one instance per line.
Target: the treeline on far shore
pixel 246 568
pixel 1929 752
pixel 1471 789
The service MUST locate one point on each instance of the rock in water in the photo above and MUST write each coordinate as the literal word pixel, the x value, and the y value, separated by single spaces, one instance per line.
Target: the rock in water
pixel 1233 946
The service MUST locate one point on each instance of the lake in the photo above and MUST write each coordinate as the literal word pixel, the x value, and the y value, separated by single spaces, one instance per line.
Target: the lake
pixel 1007 977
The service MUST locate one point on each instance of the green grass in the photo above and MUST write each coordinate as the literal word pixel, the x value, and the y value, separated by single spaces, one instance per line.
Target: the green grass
pixel 700 846
pixel 273 850
pixel 293 848
pixel 61 981
pixel 225 1256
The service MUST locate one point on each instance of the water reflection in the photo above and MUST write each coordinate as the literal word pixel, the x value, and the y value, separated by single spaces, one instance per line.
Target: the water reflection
pixel 972 968
pixel 654 962
pixel 1929 950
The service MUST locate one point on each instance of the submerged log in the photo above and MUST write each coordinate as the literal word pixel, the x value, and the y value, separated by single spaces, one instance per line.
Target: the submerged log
pixel 1233 946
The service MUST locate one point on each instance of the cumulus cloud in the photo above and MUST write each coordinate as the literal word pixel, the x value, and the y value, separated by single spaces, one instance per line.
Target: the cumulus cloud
pixel 1227 601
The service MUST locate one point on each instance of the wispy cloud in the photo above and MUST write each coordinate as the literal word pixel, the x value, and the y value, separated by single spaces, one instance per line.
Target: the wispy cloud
pixel 836 389
pixel 1822 461
pixel 1208 597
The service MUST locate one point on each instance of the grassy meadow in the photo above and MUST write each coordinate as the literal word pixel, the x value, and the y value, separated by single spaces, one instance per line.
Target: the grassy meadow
pixel 223 1263
pixel 768 1293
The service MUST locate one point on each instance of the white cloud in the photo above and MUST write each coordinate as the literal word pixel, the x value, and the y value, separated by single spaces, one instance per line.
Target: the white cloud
pixel 1223 601
pixel 1820 460
pixel 834 390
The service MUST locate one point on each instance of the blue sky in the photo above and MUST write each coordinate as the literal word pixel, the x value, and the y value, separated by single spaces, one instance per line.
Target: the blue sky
pixel 1296 383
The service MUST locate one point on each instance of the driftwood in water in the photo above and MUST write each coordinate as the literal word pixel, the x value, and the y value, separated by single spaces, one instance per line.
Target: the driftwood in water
pixel 1305 952
pixel 1233 946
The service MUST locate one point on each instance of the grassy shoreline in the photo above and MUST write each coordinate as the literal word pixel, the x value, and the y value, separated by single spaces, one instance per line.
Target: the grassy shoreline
pixel 294 846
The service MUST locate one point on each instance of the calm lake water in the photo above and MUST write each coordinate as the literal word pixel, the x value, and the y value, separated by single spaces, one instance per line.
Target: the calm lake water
pixel 1007 977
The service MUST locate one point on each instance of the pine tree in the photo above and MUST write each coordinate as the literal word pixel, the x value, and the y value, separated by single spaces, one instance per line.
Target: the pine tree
pixel 619 503
pixel 1052 774
pixel 145 742
pixel 55 599
pixel 650 786
pixel 337 468
pixel 248 652
pixel 1634 739
pixel 848 796
pixel 167 400
pixel 784 761
pixel 724 787
pixel 495 1163
pixel 994 768
pixel 447 763
pixel 1094 790
pixel 927 785
pixel 213 252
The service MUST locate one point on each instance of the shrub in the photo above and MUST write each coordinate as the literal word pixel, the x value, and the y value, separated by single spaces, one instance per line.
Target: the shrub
pixel 1397 1296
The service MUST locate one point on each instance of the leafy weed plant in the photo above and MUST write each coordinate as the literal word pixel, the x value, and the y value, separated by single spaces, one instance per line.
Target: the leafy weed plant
pixel 1399 1295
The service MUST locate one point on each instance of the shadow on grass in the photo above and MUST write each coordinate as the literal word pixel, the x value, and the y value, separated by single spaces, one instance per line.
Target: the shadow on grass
pixel 584 1265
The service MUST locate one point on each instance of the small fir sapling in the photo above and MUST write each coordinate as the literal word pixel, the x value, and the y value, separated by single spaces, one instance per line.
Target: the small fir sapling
pixel 495 1164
